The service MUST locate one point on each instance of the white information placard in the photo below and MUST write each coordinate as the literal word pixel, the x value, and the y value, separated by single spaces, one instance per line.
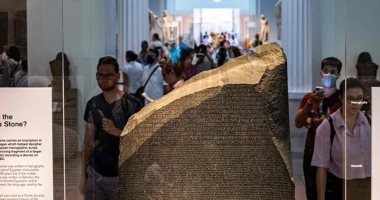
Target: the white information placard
pixel 375 142
pixel 26 158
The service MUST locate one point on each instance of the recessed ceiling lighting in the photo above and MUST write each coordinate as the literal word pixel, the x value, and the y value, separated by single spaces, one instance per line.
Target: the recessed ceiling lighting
pixel 216 1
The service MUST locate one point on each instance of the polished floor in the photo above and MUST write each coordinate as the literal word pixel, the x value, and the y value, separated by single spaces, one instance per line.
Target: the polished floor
pixel 300 188
pixel 297 144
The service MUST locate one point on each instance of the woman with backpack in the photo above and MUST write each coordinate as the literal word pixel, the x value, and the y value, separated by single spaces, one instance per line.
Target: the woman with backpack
pixel 342 150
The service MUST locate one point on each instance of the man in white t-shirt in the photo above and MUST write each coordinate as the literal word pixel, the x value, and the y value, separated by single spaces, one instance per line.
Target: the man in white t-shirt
pixel 155 87
pixel 134 70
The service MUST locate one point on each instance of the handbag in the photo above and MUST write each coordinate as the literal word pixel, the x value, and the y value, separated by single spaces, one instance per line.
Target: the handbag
pixel 141 89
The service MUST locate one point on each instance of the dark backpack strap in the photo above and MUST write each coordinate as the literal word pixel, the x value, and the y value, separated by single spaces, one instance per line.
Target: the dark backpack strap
pixel 333 183
pixel 369 119
pixel 14 70
pixel 147 80
pixel 130 105
pixel 332 133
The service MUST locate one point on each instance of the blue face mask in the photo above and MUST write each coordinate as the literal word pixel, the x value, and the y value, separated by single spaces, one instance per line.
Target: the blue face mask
pixel 329 80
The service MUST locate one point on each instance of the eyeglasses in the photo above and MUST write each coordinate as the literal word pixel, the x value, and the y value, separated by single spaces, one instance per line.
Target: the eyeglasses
pixel 354 99
pixel 109 76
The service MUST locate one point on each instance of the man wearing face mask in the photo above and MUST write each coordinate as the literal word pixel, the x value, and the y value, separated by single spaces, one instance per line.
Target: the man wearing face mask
pixel 314 108
pixel 152 77
pixel 203 59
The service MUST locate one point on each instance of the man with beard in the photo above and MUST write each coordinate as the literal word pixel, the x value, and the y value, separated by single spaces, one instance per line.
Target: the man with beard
pixel 106 115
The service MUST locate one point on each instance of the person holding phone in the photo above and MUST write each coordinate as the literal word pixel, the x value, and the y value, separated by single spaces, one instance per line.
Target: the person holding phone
pixel 314 108
pixel 106 115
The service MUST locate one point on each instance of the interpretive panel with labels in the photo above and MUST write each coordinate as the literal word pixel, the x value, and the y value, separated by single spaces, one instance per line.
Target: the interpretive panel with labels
pixel 26 159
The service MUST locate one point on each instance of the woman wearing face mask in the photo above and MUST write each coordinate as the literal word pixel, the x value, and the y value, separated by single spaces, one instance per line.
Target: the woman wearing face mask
pixel 314 108
pixel 343 148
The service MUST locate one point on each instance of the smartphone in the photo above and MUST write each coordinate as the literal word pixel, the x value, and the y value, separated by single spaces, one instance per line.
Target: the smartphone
pixel 318 90
pixel 195 60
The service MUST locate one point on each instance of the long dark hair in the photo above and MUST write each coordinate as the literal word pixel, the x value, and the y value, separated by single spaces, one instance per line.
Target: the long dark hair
pixel 109 60
pixel 349 84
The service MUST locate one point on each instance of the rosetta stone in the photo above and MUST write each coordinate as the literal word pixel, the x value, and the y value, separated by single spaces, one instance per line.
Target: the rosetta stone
pixel 222 135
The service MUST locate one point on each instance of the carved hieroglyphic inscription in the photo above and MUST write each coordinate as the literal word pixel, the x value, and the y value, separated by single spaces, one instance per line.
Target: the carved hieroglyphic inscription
pixel 220 148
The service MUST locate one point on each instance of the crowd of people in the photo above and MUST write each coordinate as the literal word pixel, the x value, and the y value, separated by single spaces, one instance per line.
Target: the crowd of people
pixel 214 50
pixel 177 63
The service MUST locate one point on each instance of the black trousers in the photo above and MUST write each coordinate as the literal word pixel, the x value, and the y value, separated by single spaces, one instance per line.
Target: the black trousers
pixel 310 173
pixel 355 189
pixel 334 187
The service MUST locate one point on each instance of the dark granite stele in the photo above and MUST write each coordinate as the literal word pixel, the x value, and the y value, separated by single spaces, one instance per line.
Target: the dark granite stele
pixel 234 145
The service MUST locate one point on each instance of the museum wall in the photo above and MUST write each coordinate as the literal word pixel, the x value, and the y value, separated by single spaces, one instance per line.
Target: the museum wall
pixel 12 4
pixel 316 38
pixel 45 33
pixel 333 29
pixel 362 32
pixel 350 27
pixel 78 29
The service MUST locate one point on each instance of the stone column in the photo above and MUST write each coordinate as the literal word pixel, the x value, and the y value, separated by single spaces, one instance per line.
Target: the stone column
pixel 296 40
pixel 133 26
pixel 136 24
